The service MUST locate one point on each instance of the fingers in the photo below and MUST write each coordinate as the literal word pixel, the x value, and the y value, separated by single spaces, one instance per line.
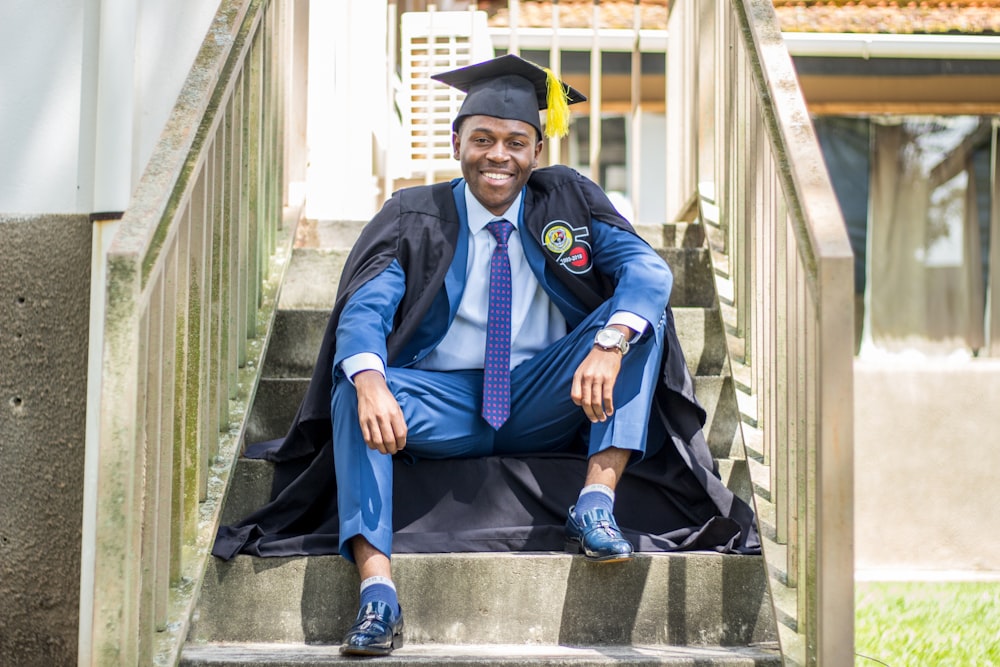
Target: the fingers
pixel 385 433
pixel 593 386
pixel 379 415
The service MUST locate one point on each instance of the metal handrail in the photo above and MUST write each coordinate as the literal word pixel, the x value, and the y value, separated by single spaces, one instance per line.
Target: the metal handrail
pixel 186 282
pixel 746 151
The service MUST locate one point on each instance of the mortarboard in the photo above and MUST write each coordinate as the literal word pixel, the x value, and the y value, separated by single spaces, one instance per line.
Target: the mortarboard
pixel 516 89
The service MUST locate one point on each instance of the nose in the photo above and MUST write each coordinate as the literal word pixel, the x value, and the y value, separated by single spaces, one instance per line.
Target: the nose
pixel 497 152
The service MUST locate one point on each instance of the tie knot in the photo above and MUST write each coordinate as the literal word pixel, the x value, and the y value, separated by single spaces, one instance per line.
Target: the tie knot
pixel 501 230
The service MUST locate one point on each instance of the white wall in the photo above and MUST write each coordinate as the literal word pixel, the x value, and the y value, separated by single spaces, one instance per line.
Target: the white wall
pixel 927 466
pixel 653 155
pixel 41 58
pixel 52 101
pixel 347 101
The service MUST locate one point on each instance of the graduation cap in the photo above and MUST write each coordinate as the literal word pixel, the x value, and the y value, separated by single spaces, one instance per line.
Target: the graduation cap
pixel 516 89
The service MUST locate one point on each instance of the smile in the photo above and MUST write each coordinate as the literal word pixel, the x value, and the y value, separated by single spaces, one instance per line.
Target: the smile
pixel 493 176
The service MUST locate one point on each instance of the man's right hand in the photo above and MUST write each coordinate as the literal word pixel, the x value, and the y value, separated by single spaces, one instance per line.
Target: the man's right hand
pixel 379 414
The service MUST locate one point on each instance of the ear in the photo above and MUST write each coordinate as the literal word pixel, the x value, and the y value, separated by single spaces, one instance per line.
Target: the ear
pixel 455 145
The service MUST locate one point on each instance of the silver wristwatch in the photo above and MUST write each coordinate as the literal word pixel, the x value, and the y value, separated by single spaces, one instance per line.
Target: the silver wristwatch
pixel 611 339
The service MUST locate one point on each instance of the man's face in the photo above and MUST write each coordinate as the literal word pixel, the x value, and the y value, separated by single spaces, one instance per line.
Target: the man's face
pixel 497 156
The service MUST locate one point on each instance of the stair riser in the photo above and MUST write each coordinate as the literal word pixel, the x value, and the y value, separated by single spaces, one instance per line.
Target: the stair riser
pixel 313 276
pixel 694 284
pixel 496 599
pixel 297 334
pixel 312 279
pixel 255 655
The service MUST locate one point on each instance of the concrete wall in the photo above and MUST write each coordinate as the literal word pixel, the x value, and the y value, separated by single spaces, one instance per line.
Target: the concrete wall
pixel 44 292
pixel 927 466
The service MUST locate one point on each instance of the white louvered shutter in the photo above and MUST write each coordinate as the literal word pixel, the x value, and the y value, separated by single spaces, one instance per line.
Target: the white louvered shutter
pixel 434 42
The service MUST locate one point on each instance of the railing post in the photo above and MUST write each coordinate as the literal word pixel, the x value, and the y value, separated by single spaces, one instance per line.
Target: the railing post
pixel 111 539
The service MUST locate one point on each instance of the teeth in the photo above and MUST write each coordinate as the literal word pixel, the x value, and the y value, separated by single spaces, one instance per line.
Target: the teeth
pixel 495 177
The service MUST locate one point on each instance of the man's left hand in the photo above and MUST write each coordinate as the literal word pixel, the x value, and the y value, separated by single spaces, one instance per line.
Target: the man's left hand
pixel 594 381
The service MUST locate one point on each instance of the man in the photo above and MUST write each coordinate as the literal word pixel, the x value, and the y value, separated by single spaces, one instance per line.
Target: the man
pixel 503 317
pixel 559 364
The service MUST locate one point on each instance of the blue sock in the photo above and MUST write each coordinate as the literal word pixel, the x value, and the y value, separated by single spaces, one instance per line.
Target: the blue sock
pixel 375 589
pixel 595 496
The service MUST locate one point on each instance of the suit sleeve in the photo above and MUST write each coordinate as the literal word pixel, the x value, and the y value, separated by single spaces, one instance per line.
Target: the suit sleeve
pixel 366 320
pixel 643 281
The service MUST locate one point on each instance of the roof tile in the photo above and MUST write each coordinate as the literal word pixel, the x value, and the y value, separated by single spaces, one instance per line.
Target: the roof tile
pixel 981 17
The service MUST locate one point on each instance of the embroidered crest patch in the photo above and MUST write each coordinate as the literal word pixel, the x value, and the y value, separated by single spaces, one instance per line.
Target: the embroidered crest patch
pixel 566 243
pixel 557 237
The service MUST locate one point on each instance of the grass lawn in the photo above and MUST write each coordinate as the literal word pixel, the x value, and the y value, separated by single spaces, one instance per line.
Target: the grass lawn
pixel 927 624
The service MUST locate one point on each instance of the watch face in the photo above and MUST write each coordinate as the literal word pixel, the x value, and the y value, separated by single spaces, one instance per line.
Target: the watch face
pixel 607 338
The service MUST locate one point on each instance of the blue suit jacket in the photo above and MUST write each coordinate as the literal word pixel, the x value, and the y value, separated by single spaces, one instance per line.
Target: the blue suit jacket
pixel 642 283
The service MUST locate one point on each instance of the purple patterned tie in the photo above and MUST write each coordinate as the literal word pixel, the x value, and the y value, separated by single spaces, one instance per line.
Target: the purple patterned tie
pixel 496 366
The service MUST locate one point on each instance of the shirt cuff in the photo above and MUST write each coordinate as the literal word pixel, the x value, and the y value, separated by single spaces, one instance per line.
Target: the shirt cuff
pixel 631 320
pixel 362 361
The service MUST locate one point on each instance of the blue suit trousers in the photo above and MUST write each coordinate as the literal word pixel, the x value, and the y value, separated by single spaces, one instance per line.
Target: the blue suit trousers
pixel 442 413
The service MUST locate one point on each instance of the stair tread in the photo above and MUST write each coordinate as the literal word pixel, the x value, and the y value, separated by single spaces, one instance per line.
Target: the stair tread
pixel 493 654
pixel 662 599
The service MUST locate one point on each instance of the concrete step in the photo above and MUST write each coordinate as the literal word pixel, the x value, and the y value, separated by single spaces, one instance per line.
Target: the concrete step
pixel 278 399
pixel 690 599
pixel 297 335
pixel 694 283
pixel 500 655
pixel 312 278
pixel 314 273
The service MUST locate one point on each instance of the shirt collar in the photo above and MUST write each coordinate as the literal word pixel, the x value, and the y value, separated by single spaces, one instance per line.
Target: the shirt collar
pixel 479 216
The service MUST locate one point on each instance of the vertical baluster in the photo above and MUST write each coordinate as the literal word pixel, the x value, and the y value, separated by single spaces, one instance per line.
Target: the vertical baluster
pixel 214 345
pixel 252 133
pixel 242 194
pixel 808 581
pixel 197 403
pixel 739 147
pixel 147 460
pixel 186 481
pixel 232 168
pixel 765 286
pixel 266 39
pixel 781 424
pixel 793 295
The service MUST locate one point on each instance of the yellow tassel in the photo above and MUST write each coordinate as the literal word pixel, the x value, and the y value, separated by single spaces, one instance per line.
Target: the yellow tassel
pixel 557 116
